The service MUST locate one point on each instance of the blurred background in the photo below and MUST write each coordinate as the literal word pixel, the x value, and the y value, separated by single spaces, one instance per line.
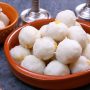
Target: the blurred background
pixel 53 6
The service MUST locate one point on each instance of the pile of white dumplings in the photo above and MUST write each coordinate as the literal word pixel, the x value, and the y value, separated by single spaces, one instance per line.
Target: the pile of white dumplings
pixel 59 48
pixel 4 20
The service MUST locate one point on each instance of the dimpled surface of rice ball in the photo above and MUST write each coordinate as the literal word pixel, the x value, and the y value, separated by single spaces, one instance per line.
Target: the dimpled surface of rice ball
pixel 67 17
pixel 78 34
pixel 82 64
pixel 27 36
pixel 56 68
pixel 43 30
pixel 44 48
pixel 4 18
pixel 33 64
pixel 56 30
pixel 19 52
pixel 68 51
pixel 86 51
pixel 2 25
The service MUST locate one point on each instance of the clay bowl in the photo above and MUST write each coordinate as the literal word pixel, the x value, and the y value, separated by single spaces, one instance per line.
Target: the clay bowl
pixel 44 81
pixel 13 16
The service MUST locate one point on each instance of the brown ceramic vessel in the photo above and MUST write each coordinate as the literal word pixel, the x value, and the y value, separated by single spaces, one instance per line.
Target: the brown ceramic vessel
pixel 44 81
pixel 12 14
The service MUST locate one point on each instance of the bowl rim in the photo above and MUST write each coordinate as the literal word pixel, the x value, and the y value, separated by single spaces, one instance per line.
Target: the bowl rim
pixel 16 19
pixel 31 74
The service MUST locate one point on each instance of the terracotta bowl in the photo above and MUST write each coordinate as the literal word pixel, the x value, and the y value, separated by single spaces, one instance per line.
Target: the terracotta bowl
pixel 13 16
pixel 44 81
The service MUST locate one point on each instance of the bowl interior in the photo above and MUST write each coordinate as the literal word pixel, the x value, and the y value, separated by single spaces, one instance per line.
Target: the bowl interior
pixel 12 41
pixel 9 11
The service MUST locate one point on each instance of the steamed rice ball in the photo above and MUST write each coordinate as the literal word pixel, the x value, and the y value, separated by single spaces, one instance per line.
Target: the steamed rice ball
pixel 82 64
pixel 27 36
pixel 43 30
pixel 2 25
pixel 67 17
pixel 56 68
pixel 77 33
pixel 68 51
pixel 56 30
pixel 86 51
pixel 44 48
pixel 4 18
pixel 33 64
pixel 19 52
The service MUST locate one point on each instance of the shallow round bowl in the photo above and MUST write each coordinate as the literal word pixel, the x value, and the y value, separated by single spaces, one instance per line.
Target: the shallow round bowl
pixel 12 14
pixel 44 81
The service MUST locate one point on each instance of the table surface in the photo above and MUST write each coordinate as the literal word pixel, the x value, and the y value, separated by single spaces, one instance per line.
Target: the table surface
pixel 7 80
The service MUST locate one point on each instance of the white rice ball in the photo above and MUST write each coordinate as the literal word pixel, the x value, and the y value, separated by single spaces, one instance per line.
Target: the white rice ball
pixel 44 48
pixel 67 17
pixel 77 33
pixel 2 25
pixel 82 64
pixel 86 51
pixel 27 36
pixel 33 64
pixel 57 31
pixel 68 51
pixel 19 52
pixel 4 18
pixel 43 30
pixel 56 68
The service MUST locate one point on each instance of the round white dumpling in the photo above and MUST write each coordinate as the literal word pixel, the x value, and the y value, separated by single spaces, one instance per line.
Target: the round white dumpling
pixel 27 36
pixel 33 64
pixel 4 18
pixel 43 30
pixel 67 17
pixel 82 64
pixel 57 31
pixel 77 33
pixel 56 68
pixel 86 51
pixel 19 52
pixel 68 51
pixel 2 25
pixel 44 48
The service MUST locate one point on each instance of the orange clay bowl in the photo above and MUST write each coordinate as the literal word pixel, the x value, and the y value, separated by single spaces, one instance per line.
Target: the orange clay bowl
pixel 13 17
pixel 44 81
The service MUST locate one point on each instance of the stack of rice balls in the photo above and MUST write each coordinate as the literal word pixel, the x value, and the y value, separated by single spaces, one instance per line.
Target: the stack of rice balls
pixel 59 48
pixel 4 20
